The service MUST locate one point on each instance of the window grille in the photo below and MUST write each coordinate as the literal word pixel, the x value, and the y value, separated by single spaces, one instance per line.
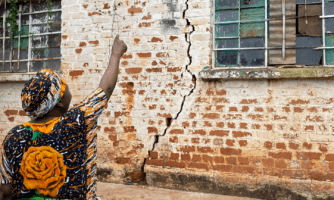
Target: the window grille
pixel 37 43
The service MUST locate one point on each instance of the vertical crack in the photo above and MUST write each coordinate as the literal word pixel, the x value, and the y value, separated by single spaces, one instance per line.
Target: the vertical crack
pixel 170 120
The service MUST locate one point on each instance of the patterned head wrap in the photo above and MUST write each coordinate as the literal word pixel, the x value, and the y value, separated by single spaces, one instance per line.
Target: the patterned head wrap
pixel 41 93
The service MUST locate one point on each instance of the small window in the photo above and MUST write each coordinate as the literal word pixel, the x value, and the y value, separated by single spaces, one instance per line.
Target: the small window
pixel 261 33
pixel 37 44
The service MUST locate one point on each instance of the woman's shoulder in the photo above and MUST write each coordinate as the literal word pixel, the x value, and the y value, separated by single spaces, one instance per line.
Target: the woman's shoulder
pixel 15 132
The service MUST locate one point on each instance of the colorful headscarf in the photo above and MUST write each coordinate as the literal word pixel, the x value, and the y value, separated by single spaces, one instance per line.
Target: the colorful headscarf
pixel 41 93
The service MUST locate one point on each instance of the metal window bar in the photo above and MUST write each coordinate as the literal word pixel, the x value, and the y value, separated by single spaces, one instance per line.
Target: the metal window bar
pixel 19 40
pixel 239 41
pixel 283 44
pixel 266 33
pixel 39 34
pixel 30 37
pixel 4 40
pixel 323 33
pixel 213 57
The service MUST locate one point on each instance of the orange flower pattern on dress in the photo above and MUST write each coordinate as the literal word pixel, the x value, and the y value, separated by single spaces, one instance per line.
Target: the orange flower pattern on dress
pixel 43 169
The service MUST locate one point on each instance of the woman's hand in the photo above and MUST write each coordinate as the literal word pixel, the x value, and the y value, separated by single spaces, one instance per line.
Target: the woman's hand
pixel 119 47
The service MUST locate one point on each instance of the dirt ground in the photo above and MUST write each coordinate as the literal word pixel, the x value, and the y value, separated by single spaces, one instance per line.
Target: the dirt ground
pixel 110 191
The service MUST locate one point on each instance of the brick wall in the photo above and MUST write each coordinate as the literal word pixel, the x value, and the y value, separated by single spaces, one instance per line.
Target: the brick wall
pixel 239 132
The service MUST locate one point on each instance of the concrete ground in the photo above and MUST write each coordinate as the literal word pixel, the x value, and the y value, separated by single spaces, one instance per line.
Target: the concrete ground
pixel 110 191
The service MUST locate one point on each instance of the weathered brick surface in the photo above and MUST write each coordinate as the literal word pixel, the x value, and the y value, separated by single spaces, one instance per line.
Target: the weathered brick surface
pixel 278 128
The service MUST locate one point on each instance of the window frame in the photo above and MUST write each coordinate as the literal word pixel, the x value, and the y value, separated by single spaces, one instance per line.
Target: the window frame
pixel 266 36
pixel 30 35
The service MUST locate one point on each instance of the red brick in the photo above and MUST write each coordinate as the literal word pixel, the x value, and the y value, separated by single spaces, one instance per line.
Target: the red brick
pixel 172 38
pixel 112 137
pixel 280 145
pixel 331 166
pixel 268 162
pixel 243 161
pixel 280 164
pixel 269 126
pixel 199 132
pixel 154 154
pixel 248 101
pixel 174 139
pixel 219 159
pixel 207 159
pixel 211 116
pixel 230 142
pixel 256 126
pixel 155 39
pixel 220 133
pixel 187 149
pixel 293 145
pixel 127 56
pixel 94 13
pixel 283 155
pixel 76 72
pixel 243 125
pixel 307 146
pixel 149 16
pixel 185 157
pixel 231 160
pixel 152 129
pixel 174 156
pixel 195 140
pixel 233 109
pixel 308 155
pixel 134 10
pixel 258 109
pixel 237 134
pixel 196 158
pixel 158 70
pixel 220 100
pixel 204 149
pixel 176 131
pixel 230 151
pixel 323 148
pixel 129 129
pixel 134 70
pixel 198 166
pixel 220 124
pixel 11 112
pixel 299 101
pixel 144 55
pixel 307 165
pixel 242 143
pixel 175 164
pixel 297 109
pixel 243 169
pixel 93 42
pixel 221 92
pixel 230 124
pixel 22 113
pixel 329 157
pixel 222 168
pixel 268 145
pixel 245 109
pixel 122 160
pixel 119 114
pixel 110 130
pixel 78 51
pixel 162 54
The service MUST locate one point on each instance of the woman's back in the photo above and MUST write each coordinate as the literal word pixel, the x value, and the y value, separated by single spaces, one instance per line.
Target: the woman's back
pixel 57 158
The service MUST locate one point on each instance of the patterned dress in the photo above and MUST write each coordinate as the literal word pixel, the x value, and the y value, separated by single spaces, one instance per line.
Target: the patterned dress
pixel 56 159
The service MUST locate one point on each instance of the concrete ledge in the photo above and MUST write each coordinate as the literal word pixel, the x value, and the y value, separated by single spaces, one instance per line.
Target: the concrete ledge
pixel 16 77
pixel 239 184
pixel 267 73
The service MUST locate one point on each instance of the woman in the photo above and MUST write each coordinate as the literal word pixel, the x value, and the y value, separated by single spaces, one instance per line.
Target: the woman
pixel 54 155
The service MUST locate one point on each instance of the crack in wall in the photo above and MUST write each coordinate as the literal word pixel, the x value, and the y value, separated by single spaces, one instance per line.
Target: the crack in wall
pixel 170 120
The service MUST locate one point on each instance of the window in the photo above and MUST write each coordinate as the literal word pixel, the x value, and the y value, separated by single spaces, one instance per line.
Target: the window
pixel 37 44
pixel 261 33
